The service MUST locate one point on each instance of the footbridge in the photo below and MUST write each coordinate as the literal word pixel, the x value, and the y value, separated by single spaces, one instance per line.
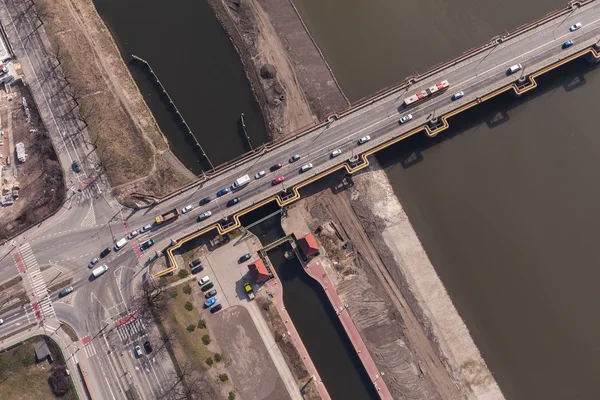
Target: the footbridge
pixel 481 74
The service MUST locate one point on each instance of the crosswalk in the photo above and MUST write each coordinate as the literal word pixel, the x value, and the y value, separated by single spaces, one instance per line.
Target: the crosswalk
pixel 90 349
pixel 131 329
pixel 41 303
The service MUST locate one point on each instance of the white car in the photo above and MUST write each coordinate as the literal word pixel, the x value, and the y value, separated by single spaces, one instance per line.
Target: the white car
pixel 204 215
pixel 406 118
pixel 259 175
pixel 364 139
pixel 138 352
pixel 1 321
pixel 336 153
pixel 458 95
pixel 132 234
pixel 204 280
pixel 145 228
pixel 574 27
pixel 186 209
pixel 306 167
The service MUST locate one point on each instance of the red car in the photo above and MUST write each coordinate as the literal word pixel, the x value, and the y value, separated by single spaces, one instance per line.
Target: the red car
pixel 278 180
pixel 276 167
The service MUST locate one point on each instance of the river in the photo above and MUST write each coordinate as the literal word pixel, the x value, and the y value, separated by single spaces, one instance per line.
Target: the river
pixel 507 212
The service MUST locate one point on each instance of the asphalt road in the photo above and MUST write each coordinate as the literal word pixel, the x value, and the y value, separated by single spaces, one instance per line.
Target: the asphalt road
pixel 91 220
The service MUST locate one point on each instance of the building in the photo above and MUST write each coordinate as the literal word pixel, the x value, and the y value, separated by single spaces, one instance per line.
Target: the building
pixel 42 352
pixel 259 271
pixel 308 245
pixel 21 156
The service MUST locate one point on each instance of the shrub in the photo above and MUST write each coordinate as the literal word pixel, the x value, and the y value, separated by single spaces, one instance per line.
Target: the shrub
pixel 187 289
pixel 218 357
pixel 209 361
pixel 59 381
pixel 202 323
pixel 223 377
pixel 206 339
pixel 173 294
pixel 231 396
pixel 183 273
pixel 188 306
pixel 191 327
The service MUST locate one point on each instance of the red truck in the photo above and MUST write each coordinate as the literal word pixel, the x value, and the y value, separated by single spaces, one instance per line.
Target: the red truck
pixel 169 215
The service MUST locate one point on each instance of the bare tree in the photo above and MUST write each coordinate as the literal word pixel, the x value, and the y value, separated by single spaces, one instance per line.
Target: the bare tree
pixel 186 383
pixel 106 160
pixel 150 300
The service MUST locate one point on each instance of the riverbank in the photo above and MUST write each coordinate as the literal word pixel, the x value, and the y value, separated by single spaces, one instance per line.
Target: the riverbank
pixel 291 80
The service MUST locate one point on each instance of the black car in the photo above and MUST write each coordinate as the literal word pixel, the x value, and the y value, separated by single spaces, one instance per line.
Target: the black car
pixel 105 252
pixel 197 261
pixel 197 269
pixel 245 257
pixel 233 202
pixel 205 200
pixel 216 308
pixel 209 285
pixel 76 166
pixel 147 347
pixel 210 294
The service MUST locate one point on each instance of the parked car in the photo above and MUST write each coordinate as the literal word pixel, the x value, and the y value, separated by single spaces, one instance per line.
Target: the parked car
pixel 567 44
pixel 216 308
pixel 208 286
pixel 105 252
pixel 65 291
pixel 222 192
pixel 364 139
pixel 138 352
pixel 144 246
pixel 210 294
pixel 336 153
pixel 205 200
pixel 195 262
pixel 276 167
pixel 406 118
pixel 132 234
pixel 76 166
pixel 197 269
pixel 259 174
pixel 1 321
pixel 147 347
pixel 145 228
pixel 245 257
pixel 94 261
pixel 204 215
pixel 574 27
pixel 210 302
pixel 233 202
pixel 294 158
pixel 277 180
pixel 203 280
pixel 458 95
pixel 186 209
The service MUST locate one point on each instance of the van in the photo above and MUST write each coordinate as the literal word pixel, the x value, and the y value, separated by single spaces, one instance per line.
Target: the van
pixel 100 270
pixel 241 182
pixel 119 245
pixel 514 68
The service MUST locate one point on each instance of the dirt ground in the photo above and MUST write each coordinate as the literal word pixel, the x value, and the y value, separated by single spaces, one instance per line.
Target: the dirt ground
pixel 40 177
pixel 12 295
pixel 119 119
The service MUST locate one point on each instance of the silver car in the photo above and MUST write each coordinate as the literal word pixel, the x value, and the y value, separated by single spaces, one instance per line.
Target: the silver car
pixel 259 175
pixel 364 139
pixel 406 118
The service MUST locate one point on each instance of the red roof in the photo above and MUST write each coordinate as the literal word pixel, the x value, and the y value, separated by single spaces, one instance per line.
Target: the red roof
pixel 308 245
pixel 258 271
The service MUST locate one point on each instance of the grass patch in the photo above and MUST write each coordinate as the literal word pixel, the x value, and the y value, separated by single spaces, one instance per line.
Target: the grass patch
pixel 11 283
pixel 60 285
pixel 70 332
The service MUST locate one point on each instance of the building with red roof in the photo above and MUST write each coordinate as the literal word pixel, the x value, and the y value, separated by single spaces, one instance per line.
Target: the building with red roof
pixel 308 245
pixel 259 271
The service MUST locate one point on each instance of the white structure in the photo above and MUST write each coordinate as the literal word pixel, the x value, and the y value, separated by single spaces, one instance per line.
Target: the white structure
pixel 21 156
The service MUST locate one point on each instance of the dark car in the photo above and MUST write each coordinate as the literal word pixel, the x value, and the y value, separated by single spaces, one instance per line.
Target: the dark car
pixel 93 262
pixel 205 200
pixel 197 269
pixel 208 286
pixel 144 246
pixel 65 291
pixel 222 192
pixel 197 261
pixel 147 347
pixel 216 308
pixel 105 252
pixel 210 294
pixel 276 167
pixel 233 202
pixel 76 166
pixel 245 257
pixel 294 158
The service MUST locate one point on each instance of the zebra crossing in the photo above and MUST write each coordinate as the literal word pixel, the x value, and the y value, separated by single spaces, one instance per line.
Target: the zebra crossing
pixel 41 304
pixel 131 329
pixel 90 349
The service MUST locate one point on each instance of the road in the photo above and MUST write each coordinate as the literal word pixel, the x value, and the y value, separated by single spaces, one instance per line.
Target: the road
pixel 92 220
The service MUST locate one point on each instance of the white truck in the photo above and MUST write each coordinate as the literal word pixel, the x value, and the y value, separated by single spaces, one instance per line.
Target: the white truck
pixel 119 245
pixel 100 270
pixel 241 182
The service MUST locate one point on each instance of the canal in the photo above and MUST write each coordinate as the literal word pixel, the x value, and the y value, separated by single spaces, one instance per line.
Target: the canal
pixel 193 57
pixel 505 201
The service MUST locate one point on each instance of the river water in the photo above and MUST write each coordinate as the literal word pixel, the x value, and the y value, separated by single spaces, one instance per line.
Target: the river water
pixel 193 57
pixel 507 212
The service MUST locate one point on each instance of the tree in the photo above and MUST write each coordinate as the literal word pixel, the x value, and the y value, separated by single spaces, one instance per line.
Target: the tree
pixel 185 383
pixel 150 300
pixel 59 380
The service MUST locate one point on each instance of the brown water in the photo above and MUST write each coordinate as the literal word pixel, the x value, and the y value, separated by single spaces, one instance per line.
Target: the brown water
pixel 507 213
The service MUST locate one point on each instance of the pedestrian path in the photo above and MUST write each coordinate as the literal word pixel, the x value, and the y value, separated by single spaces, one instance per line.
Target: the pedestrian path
pixel 134 328
pixel 26 263
pixel 90 349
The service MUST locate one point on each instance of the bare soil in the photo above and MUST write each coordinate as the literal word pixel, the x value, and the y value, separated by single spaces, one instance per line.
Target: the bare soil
pixel 40 177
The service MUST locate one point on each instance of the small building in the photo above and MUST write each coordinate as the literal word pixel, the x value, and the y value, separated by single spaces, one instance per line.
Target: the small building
pixel 259 271
pixel 42 352
pixel 21 156
pixel 308 245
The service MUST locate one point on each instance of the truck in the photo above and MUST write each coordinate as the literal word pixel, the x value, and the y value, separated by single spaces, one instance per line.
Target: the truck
pixel 169 215
pixel 240 182
pixel 249 291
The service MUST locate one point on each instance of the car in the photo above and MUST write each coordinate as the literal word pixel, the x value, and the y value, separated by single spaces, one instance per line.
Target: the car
pixel 105 252
pixel 147 347
pixel 197 261
pixel 364 139
pixel 457 95
pixel 259 174
pixel 336 153
pixel 1 321
pixel 210 294
pixel 93 262
pixel 294 158
pixel 65 291
pixel 210 302
pixel 277 180
pixel 203 280
pixel 138 352
pixel 186 209
pixel 205 200
pixel 233 202
pixel 406 118
pixel 204 215
pixel 222 192
pixel 567 44
pixel 207 287
pixel 197 269
pixel 145 228
pixel 76 166
pixel 245 257
pixel 306 167
pixel 574 27
pixel 216 308
pixel 276 167
pixel 132 234
pixel 144 246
